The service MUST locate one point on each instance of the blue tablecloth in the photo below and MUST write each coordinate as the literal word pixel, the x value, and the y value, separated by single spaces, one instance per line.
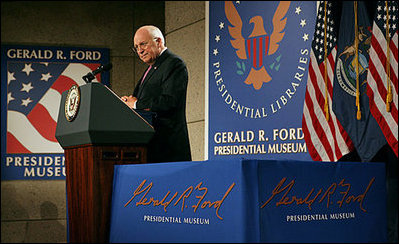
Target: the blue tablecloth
pixel 249 201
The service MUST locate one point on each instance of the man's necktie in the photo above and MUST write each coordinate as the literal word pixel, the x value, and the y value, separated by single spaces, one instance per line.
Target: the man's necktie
pixel 146 74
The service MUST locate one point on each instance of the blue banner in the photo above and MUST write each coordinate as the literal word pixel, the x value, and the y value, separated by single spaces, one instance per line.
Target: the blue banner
pixel 240 200
pixel 32 81
pixel 258 60
pixel 322 202
pixel 179 202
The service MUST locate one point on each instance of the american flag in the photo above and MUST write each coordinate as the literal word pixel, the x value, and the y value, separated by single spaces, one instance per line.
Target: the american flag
pixel 33 98
pixel 377 75
pixel 326 140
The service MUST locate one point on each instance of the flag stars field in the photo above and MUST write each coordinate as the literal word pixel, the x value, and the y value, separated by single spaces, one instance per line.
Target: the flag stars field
pixel 27 69
pixel 25 102
pixel 27 87
pixel 10 77
pixel 46 77
pixel 9 97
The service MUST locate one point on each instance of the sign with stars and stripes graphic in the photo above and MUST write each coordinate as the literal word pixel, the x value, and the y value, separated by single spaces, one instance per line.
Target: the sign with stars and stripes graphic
pixel 258 54
pixel 32 81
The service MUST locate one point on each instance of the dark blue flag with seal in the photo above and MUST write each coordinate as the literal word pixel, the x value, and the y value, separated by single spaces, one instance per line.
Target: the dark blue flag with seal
pixel 365 133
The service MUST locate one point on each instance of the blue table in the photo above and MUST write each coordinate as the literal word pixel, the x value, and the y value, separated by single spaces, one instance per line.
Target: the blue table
pixel 249 201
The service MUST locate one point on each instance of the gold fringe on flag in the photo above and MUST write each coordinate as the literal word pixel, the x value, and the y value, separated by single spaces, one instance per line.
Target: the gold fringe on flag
pixel 325 62
pixel 387 67
pixel 358 115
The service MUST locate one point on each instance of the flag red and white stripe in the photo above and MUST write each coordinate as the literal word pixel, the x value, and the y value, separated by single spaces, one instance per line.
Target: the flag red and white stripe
pixel 377 78
pixel 257 48
pixel 35 133
pixel 326 140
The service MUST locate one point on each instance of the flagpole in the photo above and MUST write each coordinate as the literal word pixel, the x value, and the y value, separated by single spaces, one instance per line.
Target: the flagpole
pixel 387 67
pixel 358 115
pixel 325 62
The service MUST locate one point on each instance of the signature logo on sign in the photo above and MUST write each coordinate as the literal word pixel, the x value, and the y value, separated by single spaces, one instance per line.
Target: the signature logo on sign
pixel 177 198
pixel 283 197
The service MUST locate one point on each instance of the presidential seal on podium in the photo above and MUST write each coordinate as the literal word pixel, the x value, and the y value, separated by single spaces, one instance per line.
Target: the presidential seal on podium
pixel 72 103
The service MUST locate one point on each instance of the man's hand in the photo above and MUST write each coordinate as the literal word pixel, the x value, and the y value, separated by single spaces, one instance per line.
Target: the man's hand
pixel 129 100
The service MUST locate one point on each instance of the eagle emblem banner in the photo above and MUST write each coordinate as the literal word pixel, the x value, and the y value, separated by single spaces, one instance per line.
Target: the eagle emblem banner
pixel 257 66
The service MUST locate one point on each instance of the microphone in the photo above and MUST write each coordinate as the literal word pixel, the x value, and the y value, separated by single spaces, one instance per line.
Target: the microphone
pixel 90 76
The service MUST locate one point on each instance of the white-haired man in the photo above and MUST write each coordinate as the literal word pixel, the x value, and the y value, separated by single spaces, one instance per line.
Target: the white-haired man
pixel 162 89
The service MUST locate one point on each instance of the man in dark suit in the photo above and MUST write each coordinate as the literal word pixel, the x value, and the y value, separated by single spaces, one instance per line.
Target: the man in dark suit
pixel 162 90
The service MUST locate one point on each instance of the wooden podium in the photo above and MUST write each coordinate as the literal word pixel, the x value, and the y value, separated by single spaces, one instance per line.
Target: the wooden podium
pixel 101 133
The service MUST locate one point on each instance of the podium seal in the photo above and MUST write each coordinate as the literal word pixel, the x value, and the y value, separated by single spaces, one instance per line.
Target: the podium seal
pixel 72 103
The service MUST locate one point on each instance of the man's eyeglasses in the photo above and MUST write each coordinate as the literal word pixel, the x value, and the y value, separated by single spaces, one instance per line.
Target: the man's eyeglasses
pixel 142 46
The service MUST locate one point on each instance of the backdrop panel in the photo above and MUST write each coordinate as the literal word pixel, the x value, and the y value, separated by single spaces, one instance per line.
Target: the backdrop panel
pixel 257 68
pixel 32 81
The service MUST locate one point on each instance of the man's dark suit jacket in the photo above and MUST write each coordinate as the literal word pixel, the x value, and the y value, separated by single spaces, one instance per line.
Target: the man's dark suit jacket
pixel 164 92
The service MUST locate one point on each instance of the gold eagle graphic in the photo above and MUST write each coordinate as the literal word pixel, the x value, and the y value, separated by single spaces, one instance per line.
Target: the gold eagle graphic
pixel 259 43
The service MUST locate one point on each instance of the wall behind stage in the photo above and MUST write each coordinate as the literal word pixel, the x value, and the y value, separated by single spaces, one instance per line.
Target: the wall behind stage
pixel 35 211
pixel 185 36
